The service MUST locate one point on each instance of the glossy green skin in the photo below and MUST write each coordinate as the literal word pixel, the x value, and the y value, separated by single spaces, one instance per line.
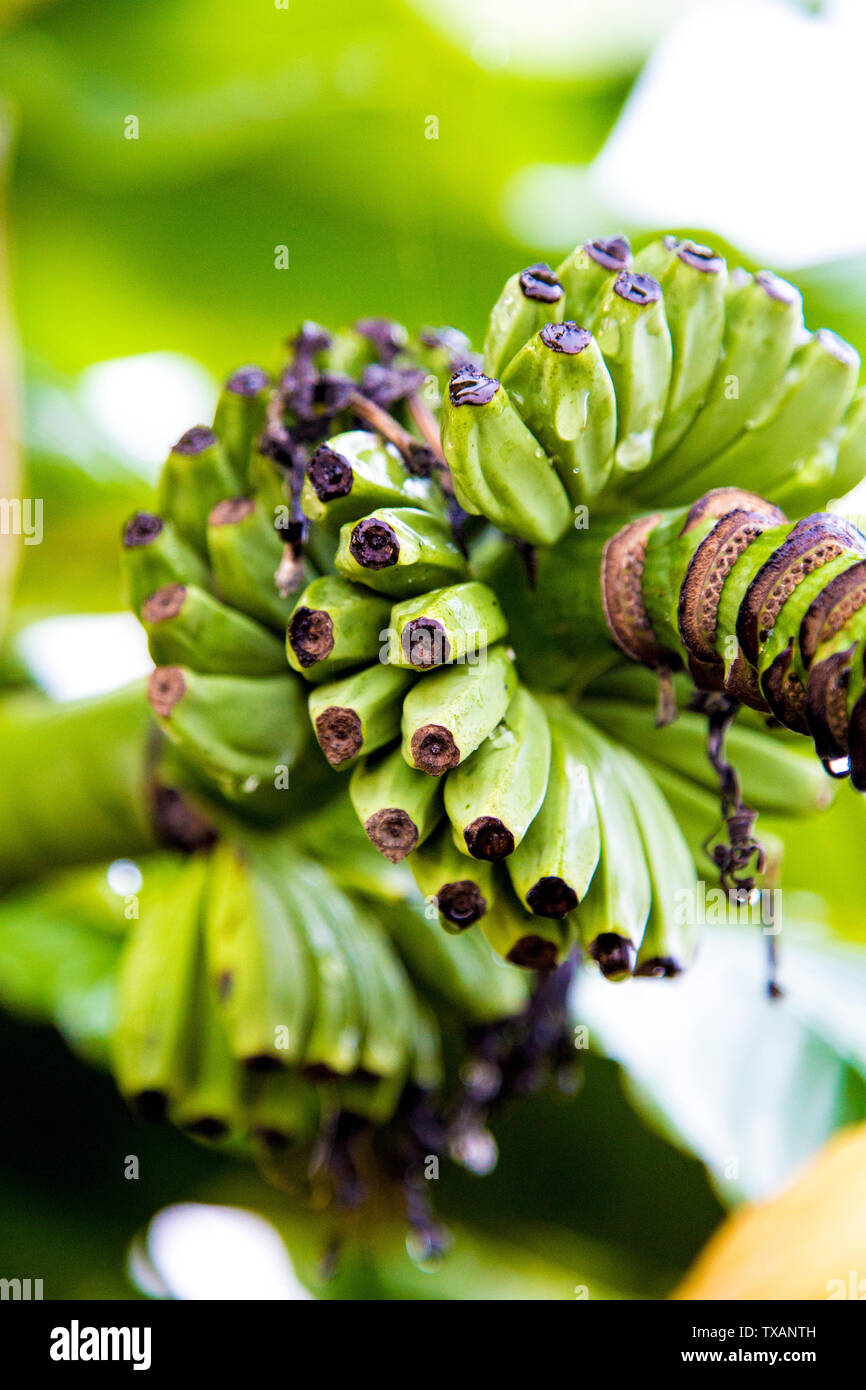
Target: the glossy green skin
pixel 506 924
pixel 851 452
pixel 244 556
pixel 190 485
pixel 563 840
pixel 208 636
pixel 501 471
pixel 214 1087
pixel 815 392
pixel 568 402
pixel 238 421
pixel 359 621
pixel 759 337
pixel 636 346
pixel 514 318
pixel 166 560
pixel 468 701
pixel 282 1102
pixel 375 694
pixel 695 311
pixel 239 729
pixel 388 1004
pixel 506 777
pixel 385 782
pixel 155 992
pixel 379 479
pixel 470 616
pixel 619 897
pixel 428 557
pixel 584 282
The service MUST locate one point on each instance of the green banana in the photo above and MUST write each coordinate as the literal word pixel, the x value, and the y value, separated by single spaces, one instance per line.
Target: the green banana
pixel 211 1106
pixel 454 624
pixel 667 945
pixel 239 730
pixel 245 553
pixel 613 914
pixel 448 714
pixel 561 387
pixel 587 272
pixel 397 806
pixel 187 626
pixel 260 964
pixel 335 625
pixel 763 322
pixel 388 1006
pixel 498 468
pixel 195 477
pixel 358 714
pixel 154 555
pixel 357 473
pixel 815 391
pixel 460 890
pixel 240 417
pixel 282 1110
pixel 693 281
pixel 535 943
pixel 529 299
pixel 552 868
pixel 152 1042
pixel 494 795
pixel 631 330
pixel 851 451
pixel 399 551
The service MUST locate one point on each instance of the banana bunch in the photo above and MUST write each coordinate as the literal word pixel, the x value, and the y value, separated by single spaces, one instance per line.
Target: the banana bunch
pixel 262 1008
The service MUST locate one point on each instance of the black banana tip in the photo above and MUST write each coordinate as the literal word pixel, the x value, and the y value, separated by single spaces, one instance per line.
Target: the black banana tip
pixel 247 381
pixel 207 1127
pixel 659 968
pixel 461 903
pixel 471 387
pixel 262 1064
pixel 142 529
pixel 613 954
pixel 195 441
pixel 566 337
pixel 534 953
pixel 339 733
pixel 151 1106
pixel 540 282
pixel 374 544
pixel 612 253
pixel 551 897
pixel 434 750
pixel 425 643
pixel 165 688
pixel 393 832
pixel 635 288
pixel 330 474
pixel 311 635
pixel 489 838
pixel 178 823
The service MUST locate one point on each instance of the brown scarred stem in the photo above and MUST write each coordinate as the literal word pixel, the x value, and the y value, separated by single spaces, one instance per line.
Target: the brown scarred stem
pixel 142 529
pixel 534 953
pixel 339 733
pixel 374 544
pixel 568 337
pixel 393 833
pixel 470 386
pixel 434 749
pixel 461 903
pixel 417 456
pixel 636 288
pixel 541 283
pixel 330 474
pixel 551 897
pixel 165 603
pixel 166 687
pixel 489 838
pixel 425 643
pixel 613 954
pixel 311 635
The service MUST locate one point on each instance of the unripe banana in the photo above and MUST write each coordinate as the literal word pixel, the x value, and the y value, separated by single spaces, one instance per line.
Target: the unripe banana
pixel 397 806
pixel 535 943
pixel 448 714
pixel 282 1110
pixel 239 418
pixel 211 1107
pixel 399 551
pixel 693 281
pixel 195 477
pixel 245 553
pixel 493 796
pixel 588 271
pixel 335 625
pixel 357 473
pixel 187 626
pixel 455 624
pixel 562 389
pixel 498 467
pixel 460 889
pixel 358 714
pixel 631 330
pixel 552 868
pixel 154 555
pixel 531 298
